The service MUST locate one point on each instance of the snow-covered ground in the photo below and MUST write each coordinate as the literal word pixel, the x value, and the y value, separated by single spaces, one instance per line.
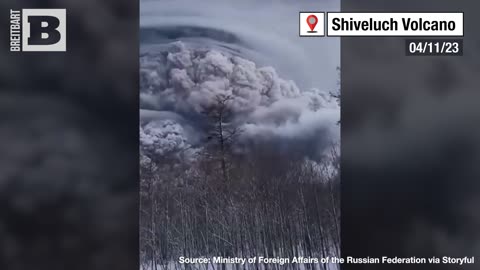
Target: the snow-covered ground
pixel 279 85
pixel 175 266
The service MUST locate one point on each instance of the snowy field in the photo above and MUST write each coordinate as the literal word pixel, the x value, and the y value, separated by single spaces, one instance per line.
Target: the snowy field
pixel 239 133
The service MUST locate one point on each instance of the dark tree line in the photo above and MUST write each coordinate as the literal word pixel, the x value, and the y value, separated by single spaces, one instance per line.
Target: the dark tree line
pixel 259 203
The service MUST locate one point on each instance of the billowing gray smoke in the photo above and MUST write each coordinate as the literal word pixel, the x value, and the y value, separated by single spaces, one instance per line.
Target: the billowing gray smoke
pixel 187 63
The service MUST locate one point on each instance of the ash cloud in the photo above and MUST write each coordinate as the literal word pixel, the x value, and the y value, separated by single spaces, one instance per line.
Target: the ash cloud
pixel 179 81
pixel 69 143
pixel 249 50
pixel 410 141
pixel 264 31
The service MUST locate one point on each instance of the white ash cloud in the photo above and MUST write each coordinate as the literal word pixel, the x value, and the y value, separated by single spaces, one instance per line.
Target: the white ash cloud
pixel 249 50
pixel 184 81
pixel 163 136
pixel 264 31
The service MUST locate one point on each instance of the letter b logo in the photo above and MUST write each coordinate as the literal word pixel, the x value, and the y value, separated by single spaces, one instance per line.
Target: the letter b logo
pixel 44 30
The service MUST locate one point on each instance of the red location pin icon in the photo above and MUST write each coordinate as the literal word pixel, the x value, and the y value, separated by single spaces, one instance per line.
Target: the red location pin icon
pixel 312 21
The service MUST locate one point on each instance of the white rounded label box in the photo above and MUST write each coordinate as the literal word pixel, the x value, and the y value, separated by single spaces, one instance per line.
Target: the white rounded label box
pixel 446 24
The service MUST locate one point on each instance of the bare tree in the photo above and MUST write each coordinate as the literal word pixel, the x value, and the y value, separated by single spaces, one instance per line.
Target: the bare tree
pixel 221 132
pixel 259 203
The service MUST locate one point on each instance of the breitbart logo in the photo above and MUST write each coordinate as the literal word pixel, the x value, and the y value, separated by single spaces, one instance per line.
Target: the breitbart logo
pixel 38 30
